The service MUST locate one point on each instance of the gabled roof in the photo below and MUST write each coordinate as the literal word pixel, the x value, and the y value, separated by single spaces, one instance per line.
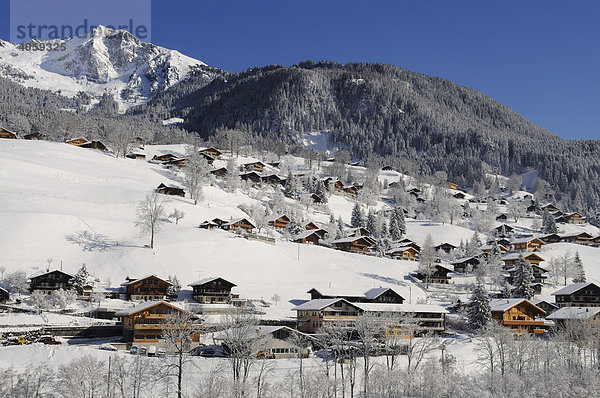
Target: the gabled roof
pixel 398 249
pixel 354 238
pixel 526 240
pixel 308 233
pixel 575 234
pixel 375 292
pixel 3 290
pixel 41 273
pixel 574 313
pixel 573 288
pixel 501 305
pixel 232 222
pixel 538 302
pixel 402 308
pixel 147 305
pixel 146 277
pixel 209 279
pixel 515 256
pixel 319 304
pixel 274 217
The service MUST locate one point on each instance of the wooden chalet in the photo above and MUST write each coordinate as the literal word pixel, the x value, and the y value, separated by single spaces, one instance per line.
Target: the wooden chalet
pixel 350 191
pixel 208 225
pixel 519 315
pixel 82 142
pixel 547 306
pixel 581 238
pixel 316 198
pixel 36 135
pixel 239 223
pixel 465 264
pixel 550 238
pixel 170 190
pixel 550 207
pixel 575 218
pixel 4 133
pixel 512 258
pixel 316 314
pixel 148 288
pixel 487 249
pixel 251 176
pixel 136 155
pixel 4 295
pixel 407 253
pixel 408 242
pixel 504 230
pixel 209 159
pixel 374 295
pixel 439 274
pixel 538 274
pixel 145 323
pixel 578 295
pixel 270 342
pixel 279 221
pixel 49 281
pixel 179 162
pixel 165 157
pixel 575 318
pixel 387 168
pixel 254 166
pixel 459 195
pixel 310 225
pixel 502 217
pixel 360 231
pixel 504 242
pixel 338 186
pixel 355 244
pixel 213 290
pixel 274 164
pixel 212 152
pixel 273 179
pixel 311 236
pixel 527 244
pixel 219 222
pixel 220 172
pixel 445 247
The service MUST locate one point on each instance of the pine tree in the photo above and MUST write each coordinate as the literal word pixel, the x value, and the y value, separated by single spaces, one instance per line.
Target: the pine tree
pixel 394 231
pixel 321 191
pixel 578 269
pixel 175 288
pixel 383 244
pixel 371 224
pixel 357 218
pixel 548 223
pixel 399 215
pixel 479 312
pixel 523 279
pixel 427 258
pixel 81 278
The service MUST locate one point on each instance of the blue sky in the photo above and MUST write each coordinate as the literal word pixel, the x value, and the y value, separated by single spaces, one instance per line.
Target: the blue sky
pixel 540 58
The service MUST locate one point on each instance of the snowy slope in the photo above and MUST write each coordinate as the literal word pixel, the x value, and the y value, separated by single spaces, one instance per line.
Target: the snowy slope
pixel 78 206
pixel 103 60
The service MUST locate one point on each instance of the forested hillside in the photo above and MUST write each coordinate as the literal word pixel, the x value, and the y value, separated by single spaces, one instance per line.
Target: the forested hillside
pixel 417 123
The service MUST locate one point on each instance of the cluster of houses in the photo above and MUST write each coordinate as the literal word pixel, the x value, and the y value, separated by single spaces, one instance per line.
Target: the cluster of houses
pixel 11 135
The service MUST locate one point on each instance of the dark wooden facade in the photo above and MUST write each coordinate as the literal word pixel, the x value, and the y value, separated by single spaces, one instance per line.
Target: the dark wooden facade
pixel 50 281
pixel 169 190
pixel 145 289
pixel 212 290
pixel 578 295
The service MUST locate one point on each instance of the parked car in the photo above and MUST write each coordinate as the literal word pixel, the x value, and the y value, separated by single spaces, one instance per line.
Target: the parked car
pixel 108 347
pixel 152 351
pixel 16 340
pixel 143 350
pixel 161 352
pixel 49 340
pixel 134 350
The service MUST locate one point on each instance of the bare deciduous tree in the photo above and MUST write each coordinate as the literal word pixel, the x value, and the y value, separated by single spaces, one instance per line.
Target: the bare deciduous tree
pixel 151 215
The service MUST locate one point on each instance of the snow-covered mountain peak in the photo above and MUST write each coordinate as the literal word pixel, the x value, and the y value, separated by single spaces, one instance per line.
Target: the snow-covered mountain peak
pixel 102 60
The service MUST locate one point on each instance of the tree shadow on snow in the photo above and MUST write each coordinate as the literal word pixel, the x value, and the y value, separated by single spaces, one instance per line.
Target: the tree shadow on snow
pixel 386 279
pixel 91 241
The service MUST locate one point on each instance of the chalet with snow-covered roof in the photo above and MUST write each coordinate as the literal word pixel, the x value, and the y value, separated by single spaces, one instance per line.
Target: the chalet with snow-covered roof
pixel 279 221
pixel 251 176
pixel 239 223
pixel 354 244
pixel 445 247
pixel 170 190
pixel 36 135
pixel 213 290
pixel 138 155
pixel 179 162
pixel 254 166
pixel 310 225
pixel 511 259
pixel 439 274
pixel 575 218
pixel 165 157
pixel 350 191
pixel 338 186
pixel 527 244
pixel 407 253
pixel 547 306
pixel 316 198
pixel 316 314
pixel 145 323
pixel 387 168
pixel 585 294
pixel 519 315
pixel 408 242
pixel 459 195
pixel 310 236
pixel 576 316
pixel 5 133
pixel 4 295
pixel 374 295
pixel 220 172
pixel 208 225
pixel 487 249
pixel 550 238
pixel 79 141
pixel 49 281
pixel 504 230
pixel 360 231
pixel 219 221
pixel 212 152
pixel 148 288
pixel 273 179
pixel 209 159
pixel 550 207
pixel 502 217
pixel 465 264
pixel 581 238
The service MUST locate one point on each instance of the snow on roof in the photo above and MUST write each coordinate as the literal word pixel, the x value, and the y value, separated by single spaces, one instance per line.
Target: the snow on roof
pixel 401 249
pixel 40 273
pixel 402 308
pixel 207 280
pixel 274 217
pixel 572 288
pixel 574 313
pixel 307 233
pixel 317 304
pixel 375 292
pixel 143 306
pixel 523 240
pixel 145 277
pixel 574 234
pixel 238 220
pixel 538 302
pixel 501 305
pixel 516 255
pixel 348 240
